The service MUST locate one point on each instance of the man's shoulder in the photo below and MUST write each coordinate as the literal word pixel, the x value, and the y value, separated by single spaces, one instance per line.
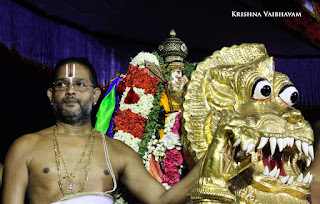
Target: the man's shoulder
pixel 119 146
pixel 120 149
pixel 28 140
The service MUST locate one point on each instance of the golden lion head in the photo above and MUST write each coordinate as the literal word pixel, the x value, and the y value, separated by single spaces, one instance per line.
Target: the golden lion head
pixel 238 114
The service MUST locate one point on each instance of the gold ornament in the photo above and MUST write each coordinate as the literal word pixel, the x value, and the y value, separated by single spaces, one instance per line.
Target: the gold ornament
pixel 70 176
pixel 238 114
pixel 173 49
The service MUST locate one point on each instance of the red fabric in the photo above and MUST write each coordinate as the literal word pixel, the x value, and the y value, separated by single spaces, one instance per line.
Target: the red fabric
pixel 307 26
pixel 132 97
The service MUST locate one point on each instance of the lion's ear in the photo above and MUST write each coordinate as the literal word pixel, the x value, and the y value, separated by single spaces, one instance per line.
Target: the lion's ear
pixel 219 91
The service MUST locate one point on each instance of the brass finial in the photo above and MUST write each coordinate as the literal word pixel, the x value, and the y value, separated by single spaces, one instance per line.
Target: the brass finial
pixel 173 49
pixel 172 33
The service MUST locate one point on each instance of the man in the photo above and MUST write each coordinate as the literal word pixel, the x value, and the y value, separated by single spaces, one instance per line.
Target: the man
pixel 70 160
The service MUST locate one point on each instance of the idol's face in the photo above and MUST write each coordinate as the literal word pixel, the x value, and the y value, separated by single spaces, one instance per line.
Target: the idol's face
pixel 73 95
pixel 176 75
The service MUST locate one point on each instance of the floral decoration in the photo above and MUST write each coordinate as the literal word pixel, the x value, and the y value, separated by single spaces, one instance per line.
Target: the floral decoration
pixel 137 122
pixel 130 122
pixel 129 139
pixel 142 107
pixel 140 59
pixel 173 160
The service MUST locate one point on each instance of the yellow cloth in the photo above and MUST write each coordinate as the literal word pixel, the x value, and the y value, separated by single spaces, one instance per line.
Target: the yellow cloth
pixel 165 103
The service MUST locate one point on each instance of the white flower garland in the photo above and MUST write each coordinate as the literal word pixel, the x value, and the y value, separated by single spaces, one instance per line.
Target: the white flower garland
pixel 155 148
pixel 160 150
pixel 128 139
pixel 170 139
pixel 139 60
pixel 142 107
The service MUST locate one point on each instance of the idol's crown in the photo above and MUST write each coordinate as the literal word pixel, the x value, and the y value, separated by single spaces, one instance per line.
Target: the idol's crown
pixel 173 49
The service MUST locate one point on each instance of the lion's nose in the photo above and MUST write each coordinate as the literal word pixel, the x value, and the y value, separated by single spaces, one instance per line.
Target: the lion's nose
pixel 292 115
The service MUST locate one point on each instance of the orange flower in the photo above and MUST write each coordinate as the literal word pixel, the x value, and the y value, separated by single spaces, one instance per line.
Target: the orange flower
pixel 138 78
pixel 130 122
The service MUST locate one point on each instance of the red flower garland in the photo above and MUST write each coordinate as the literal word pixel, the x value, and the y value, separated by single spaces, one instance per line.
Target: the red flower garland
pixel 129 122
pixel 138 78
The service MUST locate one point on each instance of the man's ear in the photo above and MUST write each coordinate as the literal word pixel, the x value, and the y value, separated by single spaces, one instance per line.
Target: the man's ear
pixel 50 94
pixel 96 95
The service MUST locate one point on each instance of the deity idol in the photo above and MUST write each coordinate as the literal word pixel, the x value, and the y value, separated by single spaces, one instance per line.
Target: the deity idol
pixel 173 50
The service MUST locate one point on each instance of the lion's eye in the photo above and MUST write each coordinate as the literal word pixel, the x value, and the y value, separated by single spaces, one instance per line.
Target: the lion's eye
pixel 261 89
pixel 289 94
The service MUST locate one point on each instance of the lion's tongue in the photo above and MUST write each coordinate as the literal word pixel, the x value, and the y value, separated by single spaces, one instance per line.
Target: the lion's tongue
pixel 277 159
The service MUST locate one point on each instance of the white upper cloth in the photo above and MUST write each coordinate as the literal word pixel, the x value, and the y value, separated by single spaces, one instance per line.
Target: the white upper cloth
pixel 86 198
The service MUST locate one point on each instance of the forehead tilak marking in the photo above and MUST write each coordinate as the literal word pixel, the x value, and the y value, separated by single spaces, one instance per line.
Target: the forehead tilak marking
pixel 70 73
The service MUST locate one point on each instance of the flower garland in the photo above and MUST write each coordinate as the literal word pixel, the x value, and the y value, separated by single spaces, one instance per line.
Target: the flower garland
pixel 138 90
pixel 138 120
pixel 129 139
pixel 140 59
pixel 129 122
pixel 142 107
pixel 172 163
pixel 152 125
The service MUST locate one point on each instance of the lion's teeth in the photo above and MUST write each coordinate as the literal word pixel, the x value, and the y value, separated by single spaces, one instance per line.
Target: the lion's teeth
pixel 284 179
pixel 250 147
pixel 278 173
pixel 273 172
pixel 237 143
pixel 280 144
pixel 298 144
pixel 300 178
pixel 290 181
pixel 266 171
pixel 273 144
pixel 305 148
pixel 310 179
pixel 244 146
pixel 252 158
pixel 263 142
pixel 285 142
pixel 308 162
pixel 306 178
pixel 311 151
pixel 291 141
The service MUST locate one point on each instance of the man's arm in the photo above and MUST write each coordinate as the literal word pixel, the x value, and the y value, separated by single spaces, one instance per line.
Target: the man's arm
pixel 16 172
pixel 179 192
pixel 149 190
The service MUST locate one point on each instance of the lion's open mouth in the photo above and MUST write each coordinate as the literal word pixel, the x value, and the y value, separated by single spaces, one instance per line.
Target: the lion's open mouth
pixel 283 158
pixel 279 153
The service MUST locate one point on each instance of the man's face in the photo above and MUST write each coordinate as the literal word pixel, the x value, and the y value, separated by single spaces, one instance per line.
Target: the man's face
pixel 73 95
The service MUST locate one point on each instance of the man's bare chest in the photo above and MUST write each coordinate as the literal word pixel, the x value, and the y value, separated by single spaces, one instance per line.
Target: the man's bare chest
pixel 50 168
